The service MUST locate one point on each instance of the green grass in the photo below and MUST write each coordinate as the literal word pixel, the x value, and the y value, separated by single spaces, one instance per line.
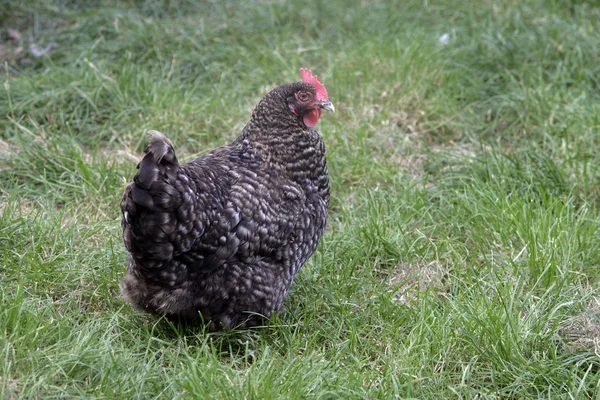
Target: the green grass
pixel 462 257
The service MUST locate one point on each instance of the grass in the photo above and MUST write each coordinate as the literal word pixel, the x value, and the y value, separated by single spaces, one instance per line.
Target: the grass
pixel 463 247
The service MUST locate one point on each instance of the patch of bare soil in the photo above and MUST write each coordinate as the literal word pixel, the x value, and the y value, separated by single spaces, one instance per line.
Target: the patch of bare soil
pixel 4 148
pixel 582 333
pixel 415 278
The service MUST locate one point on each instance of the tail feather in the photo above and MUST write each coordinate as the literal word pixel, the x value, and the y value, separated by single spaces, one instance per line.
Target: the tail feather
pixel 160 162
pixel 149 204
pixel 161 147
pixel 160 152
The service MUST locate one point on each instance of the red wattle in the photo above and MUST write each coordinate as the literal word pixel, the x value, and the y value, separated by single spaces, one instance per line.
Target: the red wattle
pixel 312 117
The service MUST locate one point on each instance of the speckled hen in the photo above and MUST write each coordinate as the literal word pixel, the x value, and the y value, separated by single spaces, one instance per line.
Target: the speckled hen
pixel 219 239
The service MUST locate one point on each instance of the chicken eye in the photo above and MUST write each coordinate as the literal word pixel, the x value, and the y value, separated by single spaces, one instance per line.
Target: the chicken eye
pixel 302 96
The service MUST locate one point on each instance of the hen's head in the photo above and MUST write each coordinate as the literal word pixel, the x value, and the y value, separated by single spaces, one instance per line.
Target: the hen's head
pixel 299 103
pixel 308 98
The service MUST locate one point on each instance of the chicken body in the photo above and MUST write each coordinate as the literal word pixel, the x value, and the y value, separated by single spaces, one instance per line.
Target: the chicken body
pixel 220 238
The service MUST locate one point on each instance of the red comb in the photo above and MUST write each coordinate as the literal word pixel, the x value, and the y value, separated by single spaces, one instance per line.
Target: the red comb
pixel 308 77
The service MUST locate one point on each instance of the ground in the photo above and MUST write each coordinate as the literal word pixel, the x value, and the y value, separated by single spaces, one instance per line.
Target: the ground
pixel 462 253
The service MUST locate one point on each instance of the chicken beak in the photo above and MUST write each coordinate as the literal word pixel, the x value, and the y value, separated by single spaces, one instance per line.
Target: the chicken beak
pixel 326 105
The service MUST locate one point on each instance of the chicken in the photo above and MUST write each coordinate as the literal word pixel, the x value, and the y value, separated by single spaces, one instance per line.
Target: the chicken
pixel 219 239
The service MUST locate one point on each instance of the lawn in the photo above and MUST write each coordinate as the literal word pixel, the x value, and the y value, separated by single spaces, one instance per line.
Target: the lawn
pixel 462 254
